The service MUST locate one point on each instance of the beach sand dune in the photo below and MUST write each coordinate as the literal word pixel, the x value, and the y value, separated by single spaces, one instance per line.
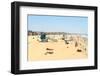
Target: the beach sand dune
pixel 56 50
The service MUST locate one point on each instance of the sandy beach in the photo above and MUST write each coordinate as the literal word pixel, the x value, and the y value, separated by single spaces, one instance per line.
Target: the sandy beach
pixel 56 50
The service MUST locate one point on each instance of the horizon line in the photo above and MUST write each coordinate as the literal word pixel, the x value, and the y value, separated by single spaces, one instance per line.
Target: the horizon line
pixel 59 32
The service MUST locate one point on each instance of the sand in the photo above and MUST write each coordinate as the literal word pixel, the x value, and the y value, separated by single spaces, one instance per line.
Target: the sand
pixel 51 50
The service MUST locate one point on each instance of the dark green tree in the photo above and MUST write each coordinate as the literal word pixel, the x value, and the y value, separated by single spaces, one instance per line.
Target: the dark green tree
pixel 43 36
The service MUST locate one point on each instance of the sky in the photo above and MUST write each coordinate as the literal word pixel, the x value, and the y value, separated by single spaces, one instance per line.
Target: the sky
pixel 68 24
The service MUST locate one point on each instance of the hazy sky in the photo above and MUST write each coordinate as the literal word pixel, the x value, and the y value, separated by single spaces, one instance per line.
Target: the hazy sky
pixel 70 24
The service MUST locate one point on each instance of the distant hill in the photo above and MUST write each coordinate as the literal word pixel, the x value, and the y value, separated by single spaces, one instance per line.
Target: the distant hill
pixel 53 33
